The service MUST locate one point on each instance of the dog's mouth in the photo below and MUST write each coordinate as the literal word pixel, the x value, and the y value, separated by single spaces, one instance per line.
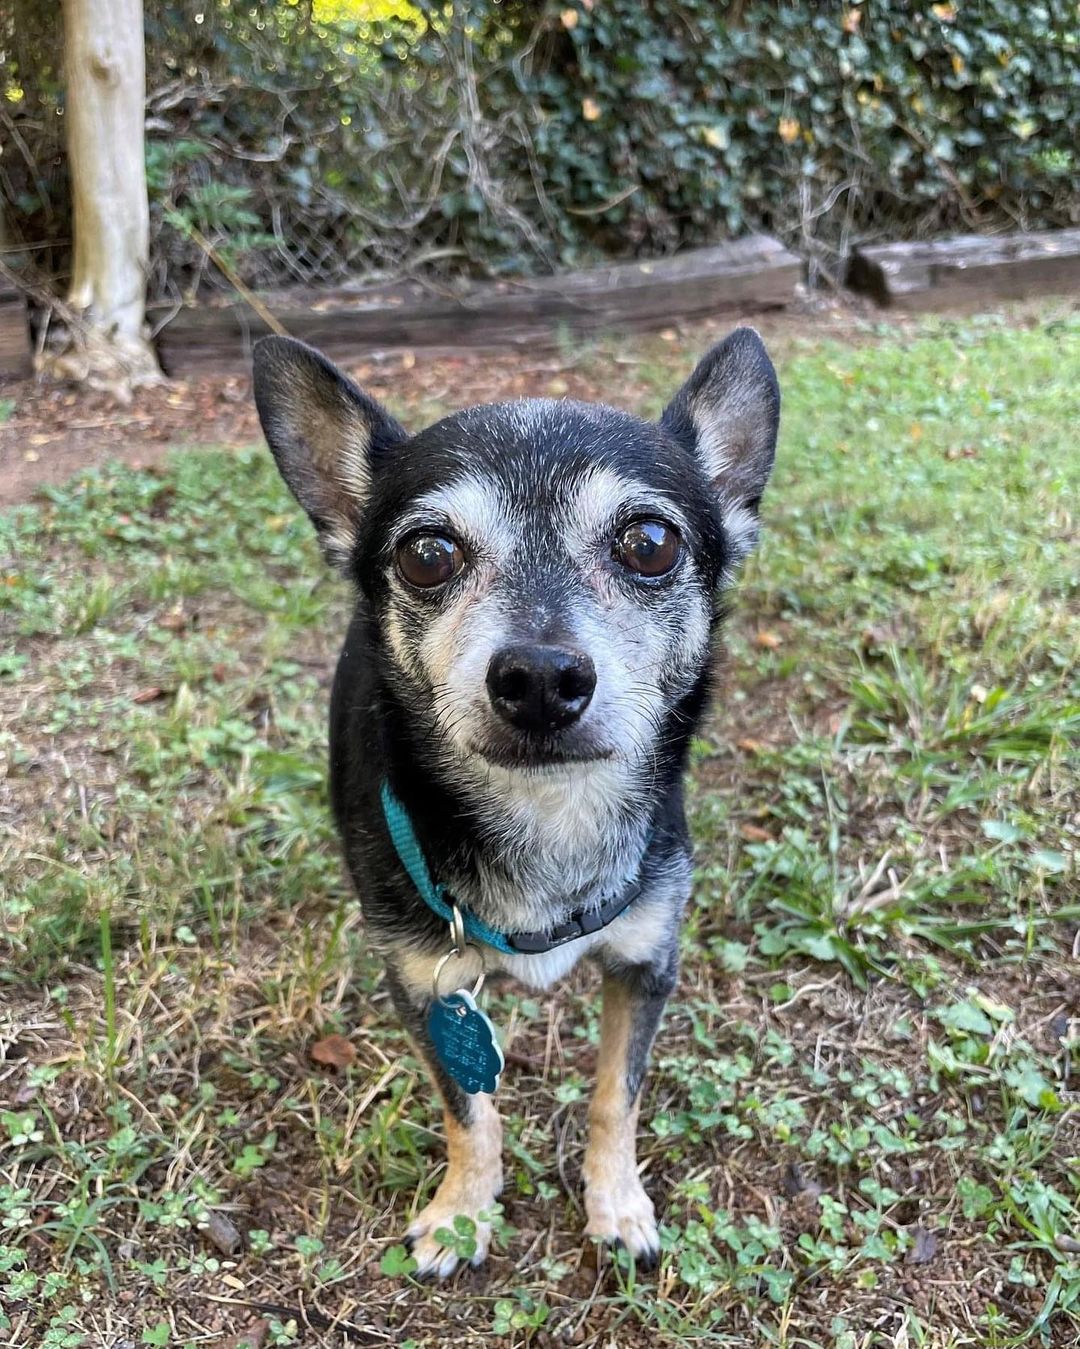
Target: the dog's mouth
pixel 539 756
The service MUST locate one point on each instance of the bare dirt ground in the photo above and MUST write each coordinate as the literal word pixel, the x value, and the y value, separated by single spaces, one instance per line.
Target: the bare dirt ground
pixel 53 432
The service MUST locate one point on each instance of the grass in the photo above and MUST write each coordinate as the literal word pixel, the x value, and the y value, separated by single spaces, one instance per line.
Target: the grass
pixel 863 1127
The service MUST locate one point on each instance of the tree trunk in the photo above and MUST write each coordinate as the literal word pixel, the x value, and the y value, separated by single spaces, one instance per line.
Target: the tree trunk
pixel 105 72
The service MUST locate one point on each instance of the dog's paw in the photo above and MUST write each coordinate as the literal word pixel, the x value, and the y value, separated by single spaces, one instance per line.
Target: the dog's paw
pixel 435 1257
pixel 623 1215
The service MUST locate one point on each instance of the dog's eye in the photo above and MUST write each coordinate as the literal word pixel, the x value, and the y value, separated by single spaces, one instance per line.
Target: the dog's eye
pixel 428 560
pixel 648 547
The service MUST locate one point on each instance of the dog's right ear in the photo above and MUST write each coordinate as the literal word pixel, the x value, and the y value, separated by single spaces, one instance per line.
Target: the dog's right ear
pixel 727 413
pixel 323 432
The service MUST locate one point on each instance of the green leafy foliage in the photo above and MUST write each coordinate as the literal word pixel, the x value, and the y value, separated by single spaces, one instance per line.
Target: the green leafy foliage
pixel 313 143
pixel 396 1262
pixel 812 119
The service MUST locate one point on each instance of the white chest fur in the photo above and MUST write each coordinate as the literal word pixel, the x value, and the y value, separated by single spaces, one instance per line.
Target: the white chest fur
pixel 557 841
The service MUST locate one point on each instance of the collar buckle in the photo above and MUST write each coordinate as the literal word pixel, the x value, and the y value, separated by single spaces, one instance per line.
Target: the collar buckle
pixel 536 943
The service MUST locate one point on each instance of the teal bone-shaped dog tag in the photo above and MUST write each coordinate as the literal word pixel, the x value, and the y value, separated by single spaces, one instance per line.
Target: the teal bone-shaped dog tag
pixel 465 1042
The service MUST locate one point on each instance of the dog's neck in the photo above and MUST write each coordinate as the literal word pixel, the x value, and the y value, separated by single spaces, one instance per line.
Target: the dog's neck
pixel 550 842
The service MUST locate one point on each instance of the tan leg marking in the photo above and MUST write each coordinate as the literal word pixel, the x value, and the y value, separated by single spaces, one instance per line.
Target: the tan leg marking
pixel 471 1185
pixel 616 1205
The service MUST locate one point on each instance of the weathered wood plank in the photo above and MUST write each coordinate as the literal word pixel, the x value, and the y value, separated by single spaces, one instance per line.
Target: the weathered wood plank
pixel 968 268
pixel 15 350
pixel 750 274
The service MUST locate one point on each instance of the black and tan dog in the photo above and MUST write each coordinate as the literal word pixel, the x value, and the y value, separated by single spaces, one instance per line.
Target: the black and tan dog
pixel 537 588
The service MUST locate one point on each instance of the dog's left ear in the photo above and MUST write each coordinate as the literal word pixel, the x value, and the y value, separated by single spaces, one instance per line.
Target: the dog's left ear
pixel 728 413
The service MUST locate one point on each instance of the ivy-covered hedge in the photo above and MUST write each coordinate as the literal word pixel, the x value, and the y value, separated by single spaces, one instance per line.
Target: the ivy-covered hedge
pixel 816 120
pixel 311 140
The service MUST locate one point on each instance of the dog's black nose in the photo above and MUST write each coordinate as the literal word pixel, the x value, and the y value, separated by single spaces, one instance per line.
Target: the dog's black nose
pixel 540 688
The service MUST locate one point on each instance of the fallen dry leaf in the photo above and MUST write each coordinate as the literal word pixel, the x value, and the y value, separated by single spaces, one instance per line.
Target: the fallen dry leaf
pixel 252 1338
pixel 768 640
pixel 223 1233
pixel 749 746
pixel 753 833
pixel 924 1248
pixel 794 1182
pixel 334 1051
pixel 148 695
pixel 880 634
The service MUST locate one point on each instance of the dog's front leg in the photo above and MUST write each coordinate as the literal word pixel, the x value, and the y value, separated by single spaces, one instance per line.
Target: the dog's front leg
pixel 617 1208
pixel 473 1176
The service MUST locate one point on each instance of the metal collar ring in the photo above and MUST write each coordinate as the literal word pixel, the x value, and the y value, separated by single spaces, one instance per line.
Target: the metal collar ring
pixel 440 965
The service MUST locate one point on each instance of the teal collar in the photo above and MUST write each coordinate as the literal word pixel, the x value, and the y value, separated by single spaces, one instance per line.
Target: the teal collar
pixel 579 924
pixel 407 846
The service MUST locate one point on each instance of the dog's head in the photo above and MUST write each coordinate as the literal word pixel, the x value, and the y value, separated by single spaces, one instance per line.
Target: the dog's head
pixel 542 575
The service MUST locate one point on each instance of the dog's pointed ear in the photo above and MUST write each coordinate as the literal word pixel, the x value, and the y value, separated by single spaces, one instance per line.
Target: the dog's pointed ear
pixel 728 413
pixel 324 433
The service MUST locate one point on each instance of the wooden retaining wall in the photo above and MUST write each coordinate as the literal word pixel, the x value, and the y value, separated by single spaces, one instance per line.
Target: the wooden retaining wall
pixel 745 276
pixel 15 362
pixel 968 269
